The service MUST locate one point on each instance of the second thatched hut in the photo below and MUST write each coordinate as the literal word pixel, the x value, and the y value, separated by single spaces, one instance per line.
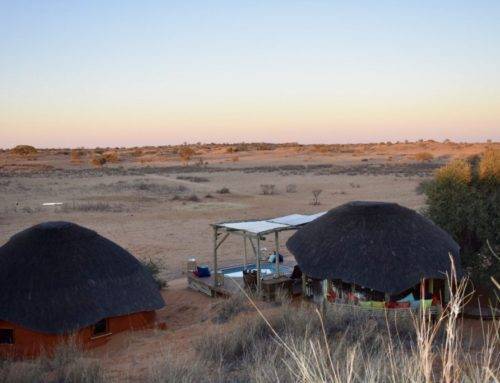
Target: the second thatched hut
pixel 376 254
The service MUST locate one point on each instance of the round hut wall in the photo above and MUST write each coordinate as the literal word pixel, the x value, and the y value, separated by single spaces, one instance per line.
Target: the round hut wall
pixel 29 343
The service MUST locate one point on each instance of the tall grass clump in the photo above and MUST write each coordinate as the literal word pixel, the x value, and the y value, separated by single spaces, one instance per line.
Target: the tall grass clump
pixel 340 343
pixel 66 364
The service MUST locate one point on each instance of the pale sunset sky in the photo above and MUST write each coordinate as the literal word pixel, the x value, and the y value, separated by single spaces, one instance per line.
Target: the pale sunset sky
pixel 130 73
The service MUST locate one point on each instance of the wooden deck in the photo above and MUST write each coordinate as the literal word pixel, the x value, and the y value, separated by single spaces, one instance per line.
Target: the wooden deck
pixel 207 285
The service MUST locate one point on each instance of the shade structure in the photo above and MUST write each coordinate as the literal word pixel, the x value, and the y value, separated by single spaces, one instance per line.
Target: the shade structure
pixel 57 277
pixel 379 245
pixel 261 227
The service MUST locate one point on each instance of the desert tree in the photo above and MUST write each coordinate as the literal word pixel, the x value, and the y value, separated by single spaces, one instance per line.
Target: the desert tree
pixel 316 194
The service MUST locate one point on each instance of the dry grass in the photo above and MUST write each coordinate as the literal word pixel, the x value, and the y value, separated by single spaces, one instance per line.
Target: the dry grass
pixel 457 170
pixel 195 179
pixel 67 364
pixel 230 307
pixel 489 167
pixel 145 186
pixel 111 156
pixel 76 156
pixel 223 190
pixel 424 156
pixel 98 160
pixel 344 344
pixel 93 207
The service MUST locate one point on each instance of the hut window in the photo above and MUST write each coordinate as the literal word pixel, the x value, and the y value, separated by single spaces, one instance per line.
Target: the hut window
pixel 100 327
pixel 6 336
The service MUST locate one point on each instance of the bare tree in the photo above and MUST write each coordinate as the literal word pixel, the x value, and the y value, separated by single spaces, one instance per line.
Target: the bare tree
pixel 316 194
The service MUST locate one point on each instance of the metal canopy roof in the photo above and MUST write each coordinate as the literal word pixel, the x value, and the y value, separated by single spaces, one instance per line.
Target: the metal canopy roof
pixel 260 227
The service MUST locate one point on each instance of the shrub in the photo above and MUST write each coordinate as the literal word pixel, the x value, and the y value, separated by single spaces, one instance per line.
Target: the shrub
pixel 223 190
pixel 137 153
pixel 193 198
pixel 268 189
pixel 185 153
pixel 67 364
pixel 489 166
pixel 98 160
pixel 467 205
pixel 190 198
pixel 76 155
pixel 92 207
pixel 424 156
pixel 457 171
pixel 111 156
pixel 230 307
pixel 291 188
pixel 193 179
pixel 155 270
pixel 24 150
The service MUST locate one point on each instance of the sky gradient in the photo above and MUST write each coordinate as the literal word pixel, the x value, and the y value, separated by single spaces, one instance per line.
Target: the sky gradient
pixel 129 73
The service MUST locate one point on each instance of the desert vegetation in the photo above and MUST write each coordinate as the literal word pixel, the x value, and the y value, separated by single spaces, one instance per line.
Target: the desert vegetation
pixel 464 199
pixel 296 343
pixel 424 156
pixel 268 189
pixel 316 193
pixel 24 150
pixel 68 364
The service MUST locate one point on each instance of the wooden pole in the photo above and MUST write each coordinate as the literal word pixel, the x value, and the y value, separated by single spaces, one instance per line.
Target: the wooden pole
pixel 324 291
pixel 304 286
pixel 245 251
pixel 277 252
pixel 258 266
pixel 422 292
pixel 216 282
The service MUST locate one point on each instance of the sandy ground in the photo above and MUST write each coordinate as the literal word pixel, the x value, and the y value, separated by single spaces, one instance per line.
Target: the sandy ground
pixel 147 207
pixel 137 207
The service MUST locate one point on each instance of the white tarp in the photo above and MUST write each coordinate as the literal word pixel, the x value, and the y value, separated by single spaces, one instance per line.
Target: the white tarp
pixel 255 227
pixel 269 225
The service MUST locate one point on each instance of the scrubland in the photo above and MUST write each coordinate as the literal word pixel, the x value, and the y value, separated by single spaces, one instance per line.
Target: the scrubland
pixel 158 202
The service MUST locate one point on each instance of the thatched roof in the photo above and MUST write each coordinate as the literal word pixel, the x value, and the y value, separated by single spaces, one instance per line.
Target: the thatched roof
pixel 382 246
pixel 57 277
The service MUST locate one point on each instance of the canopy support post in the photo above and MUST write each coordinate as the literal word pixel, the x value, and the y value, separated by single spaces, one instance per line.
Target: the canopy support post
pixel 245 252
pixel 222 240
pixel 304 286
pixel 277 252
pixel 216 281
pixel 258 266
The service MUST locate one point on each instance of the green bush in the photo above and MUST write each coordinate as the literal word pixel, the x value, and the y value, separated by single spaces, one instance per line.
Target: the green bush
pixel 464 199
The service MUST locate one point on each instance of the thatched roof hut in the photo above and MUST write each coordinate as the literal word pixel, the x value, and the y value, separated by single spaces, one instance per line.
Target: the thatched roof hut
pixel 382 246
pixel 57 277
